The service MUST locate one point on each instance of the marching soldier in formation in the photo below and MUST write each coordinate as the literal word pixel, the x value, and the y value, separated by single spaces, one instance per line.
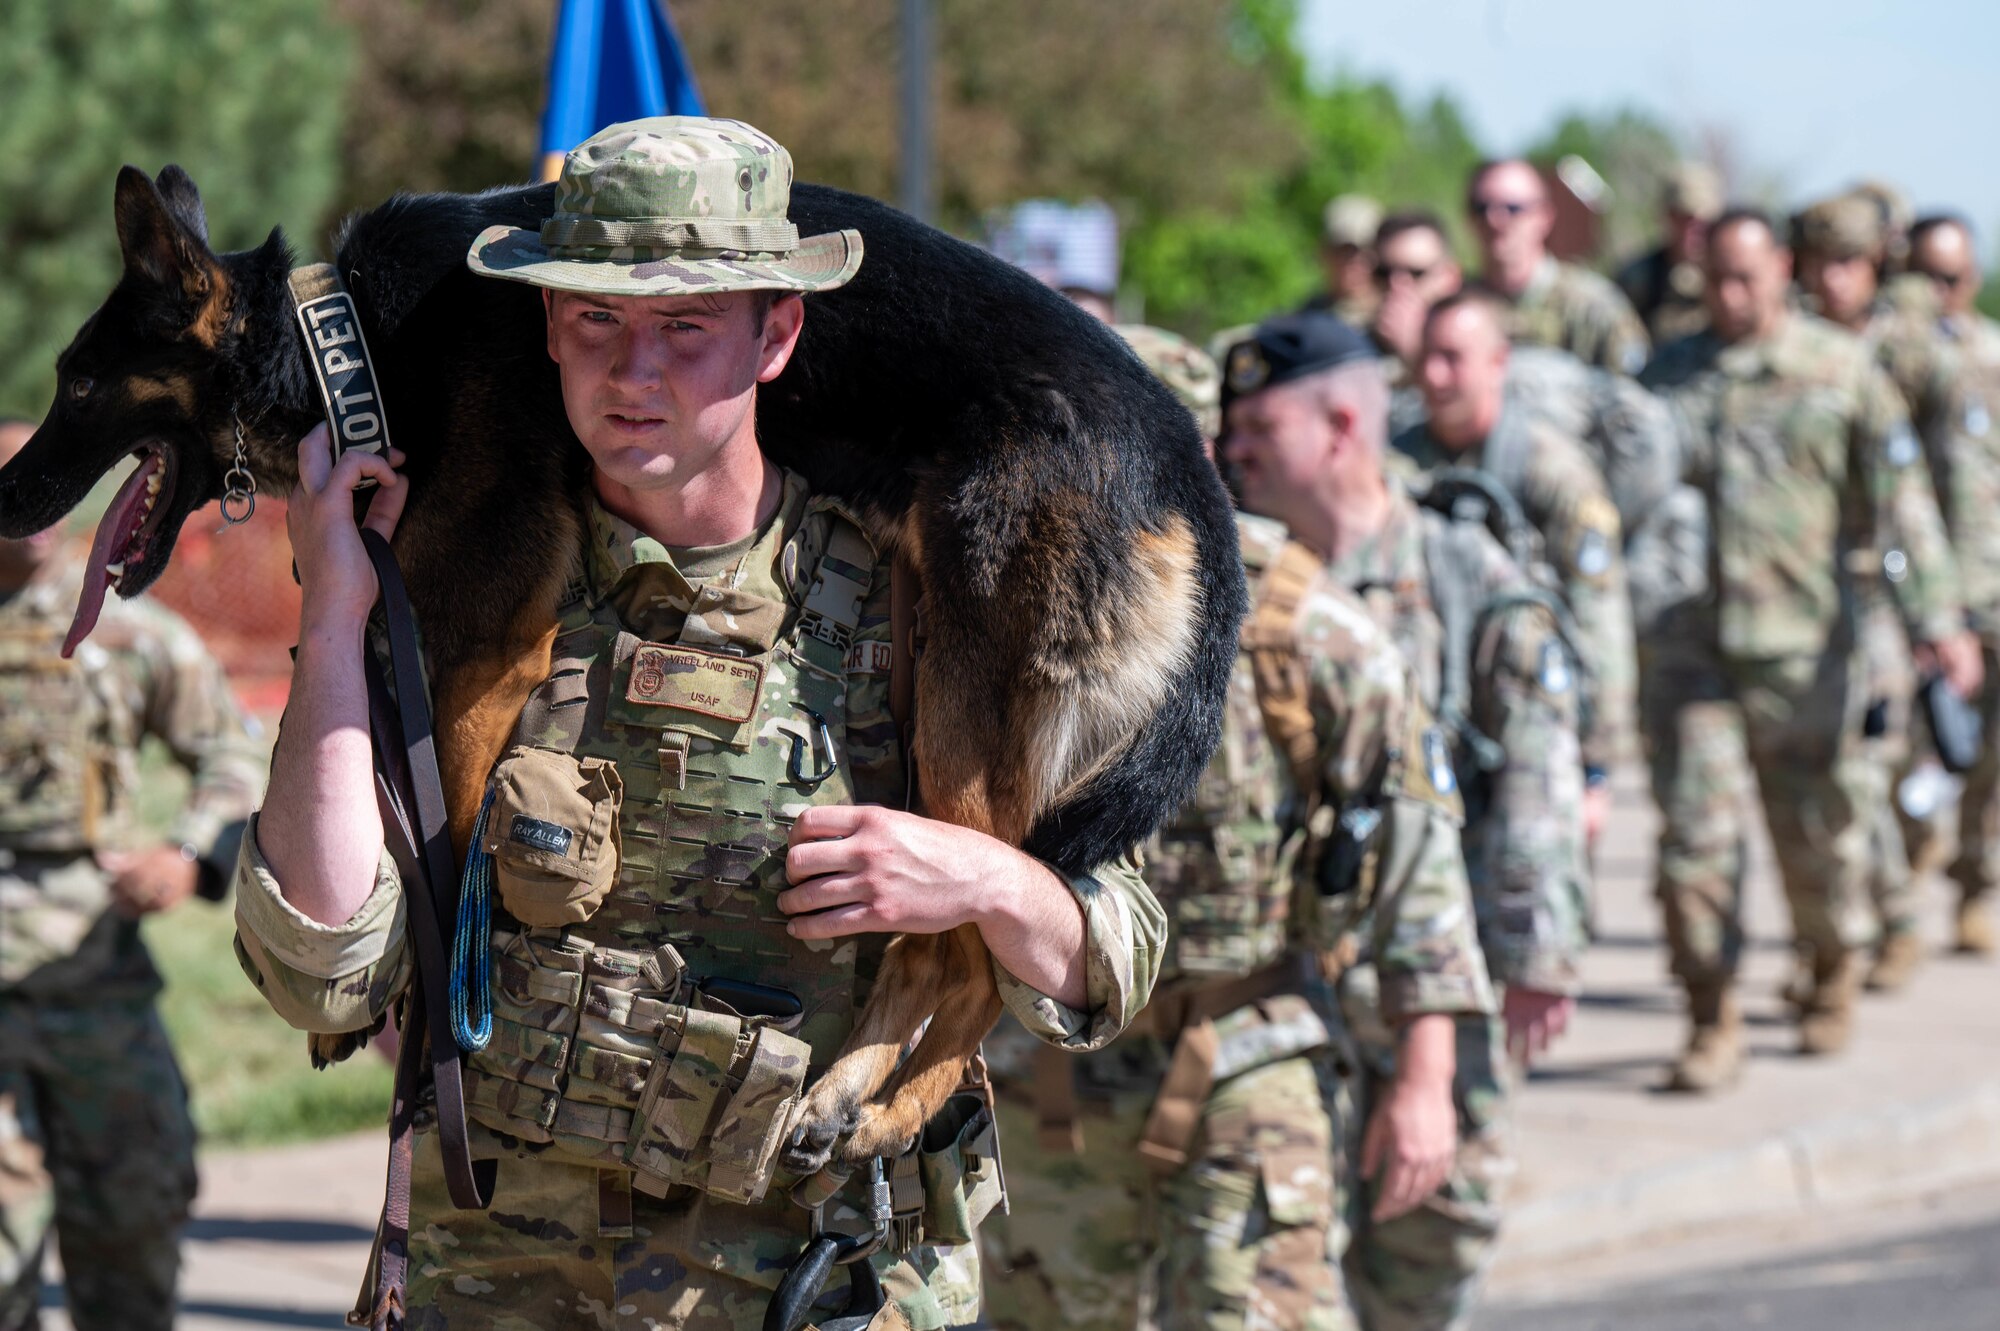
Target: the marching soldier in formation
pixel 96 1130
pixel 1347 257
pixel 1844 248
pixel 1208 1169
pixel 1306 417
pixel 1554 304
pixel 1414 270
pixel 1805 457
pixel 574 1239
pixel 1665 284
pixel 1942 253
pixel 1471 421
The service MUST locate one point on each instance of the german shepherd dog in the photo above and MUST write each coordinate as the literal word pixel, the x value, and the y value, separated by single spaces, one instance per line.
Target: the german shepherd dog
pixel 1081 579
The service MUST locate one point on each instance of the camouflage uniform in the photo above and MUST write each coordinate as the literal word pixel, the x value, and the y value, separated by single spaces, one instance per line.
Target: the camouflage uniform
pixel 1552 476
pixel 1627 432
pixel 84 1061
pixel 1667 296
pixel 684 703
pixel 1910 346
pixel 1524 848
pixel 1250 1229
pixel 1584 314
pixel 1807 462
pixel 1968 485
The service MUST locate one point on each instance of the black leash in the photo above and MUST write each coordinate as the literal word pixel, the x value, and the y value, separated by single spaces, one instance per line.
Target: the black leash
pixel 410 796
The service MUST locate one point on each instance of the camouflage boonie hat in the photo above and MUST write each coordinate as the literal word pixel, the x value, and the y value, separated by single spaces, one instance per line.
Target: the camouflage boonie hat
pixel 668 206
pixel 1183 367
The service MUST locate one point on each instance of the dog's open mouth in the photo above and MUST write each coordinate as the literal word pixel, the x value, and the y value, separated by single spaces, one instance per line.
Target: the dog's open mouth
pixel 124 535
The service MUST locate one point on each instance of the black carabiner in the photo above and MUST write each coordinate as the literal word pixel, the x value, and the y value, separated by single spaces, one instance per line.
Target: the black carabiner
pixel 791 1305
pixel 800 743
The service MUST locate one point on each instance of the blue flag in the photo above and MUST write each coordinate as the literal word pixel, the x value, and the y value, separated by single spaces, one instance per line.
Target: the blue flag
pixel 613 60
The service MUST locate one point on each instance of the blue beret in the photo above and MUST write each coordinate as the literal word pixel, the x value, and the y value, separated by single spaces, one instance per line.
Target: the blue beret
pixel 1291 346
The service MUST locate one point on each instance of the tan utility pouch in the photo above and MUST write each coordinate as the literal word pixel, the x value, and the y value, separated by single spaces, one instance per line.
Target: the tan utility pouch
pixel 715 1105
pixel 553 835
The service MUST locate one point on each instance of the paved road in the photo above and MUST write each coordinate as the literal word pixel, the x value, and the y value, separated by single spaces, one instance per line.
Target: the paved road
pixel 1943 1280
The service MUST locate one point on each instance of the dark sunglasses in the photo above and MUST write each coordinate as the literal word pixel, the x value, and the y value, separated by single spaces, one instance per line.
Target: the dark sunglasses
pixel 1487 207
pixel 1949 281
pixel 1388 272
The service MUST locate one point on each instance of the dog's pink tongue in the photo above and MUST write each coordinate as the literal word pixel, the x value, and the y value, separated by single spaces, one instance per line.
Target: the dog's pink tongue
pixel 114 530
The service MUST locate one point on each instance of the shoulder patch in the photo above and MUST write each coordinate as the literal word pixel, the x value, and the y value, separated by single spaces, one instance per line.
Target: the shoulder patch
pixel 1554 672
pixel 1977 419
pixel 1597 536
pixel 1902 448
pixel 1437 762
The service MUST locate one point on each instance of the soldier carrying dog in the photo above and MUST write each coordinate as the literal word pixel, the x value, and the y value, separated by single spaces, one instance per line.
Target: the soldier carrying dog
pixel 704 788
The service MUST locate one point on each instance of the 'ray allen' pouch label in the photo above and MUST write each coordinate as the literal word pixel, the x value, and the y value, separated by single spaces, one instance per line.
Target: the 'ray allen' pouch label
pixel 696 681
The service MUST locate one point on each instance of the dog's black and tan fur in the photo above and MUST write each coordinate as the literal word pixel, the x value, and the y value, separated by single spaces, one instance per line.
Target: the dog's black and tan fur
pixel 1083 586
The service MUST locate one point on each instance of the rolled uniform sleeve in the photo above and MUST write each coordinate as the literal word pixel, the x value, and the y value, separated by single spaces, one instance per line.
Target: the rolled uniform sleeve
pixel 325 979
pixel 1125 933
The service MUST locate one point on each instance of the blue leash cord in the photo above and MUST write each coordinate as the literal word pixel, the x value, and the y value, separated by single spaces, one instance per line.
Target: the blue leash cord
pixel 472 941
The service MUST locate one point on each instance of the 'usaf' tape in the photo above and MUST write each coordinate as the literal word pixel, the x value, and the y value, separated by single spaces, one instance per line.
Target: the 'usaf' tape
pixel 339 356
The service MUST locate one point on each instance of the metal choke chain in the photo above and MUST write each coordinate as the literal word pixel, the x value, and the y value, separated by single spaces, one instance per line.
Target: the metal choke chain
pixel 239 498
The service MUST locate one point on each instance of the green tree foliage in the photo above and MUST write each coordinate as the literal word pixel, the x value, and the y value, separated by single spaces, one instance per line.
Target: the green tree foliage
pixel 1242 254
pixel 1143 103
pixel 1196 119
pixel 447 94
pixel 247 95
pixel 1633 152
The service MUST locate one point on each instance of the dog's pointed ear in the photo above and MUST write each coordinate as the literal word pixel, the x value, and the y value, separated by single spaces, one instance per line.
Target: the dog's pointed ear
pixel 183 200
pixel 160 249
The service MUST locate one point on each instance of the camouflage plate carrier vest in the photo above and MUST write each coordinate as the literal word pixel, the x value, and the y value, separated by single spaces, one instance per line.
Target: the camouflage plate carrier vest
pixel 1227 867
pixel 669 1032
pixel 55 770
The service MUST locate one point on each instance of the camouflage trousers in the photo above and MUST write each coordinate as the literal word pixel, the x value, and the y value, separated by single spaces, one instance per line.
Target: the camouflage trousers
pixel 1422 1271
pixel 1246 1237
pixel 99 1097
pixel 550 1255
pixel 1786 732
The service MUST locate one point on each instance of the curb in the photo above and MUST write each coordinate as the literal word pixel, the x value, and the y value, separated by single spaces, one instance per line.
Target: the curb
pixel 1843 1161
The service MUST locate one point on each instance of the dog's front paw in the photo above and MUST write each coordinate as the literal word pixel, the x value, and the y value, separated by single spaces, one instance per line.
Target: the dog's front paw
pixel 877 1130
pixel 820 1124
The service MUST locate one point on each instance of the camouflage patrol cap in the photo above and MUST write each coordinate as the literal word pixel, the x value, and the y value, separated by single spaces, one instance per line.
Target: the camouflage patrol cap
pixel 1351 219
pixel 1693 189
pixel 1183 367
pixel 668 206
pixel 1843 227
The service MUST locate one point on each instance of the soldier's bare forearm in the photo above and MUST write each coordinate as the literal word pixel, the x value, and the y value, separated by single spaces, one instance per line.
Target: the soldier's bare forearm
pixel 319 829
pixel 1427 1051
